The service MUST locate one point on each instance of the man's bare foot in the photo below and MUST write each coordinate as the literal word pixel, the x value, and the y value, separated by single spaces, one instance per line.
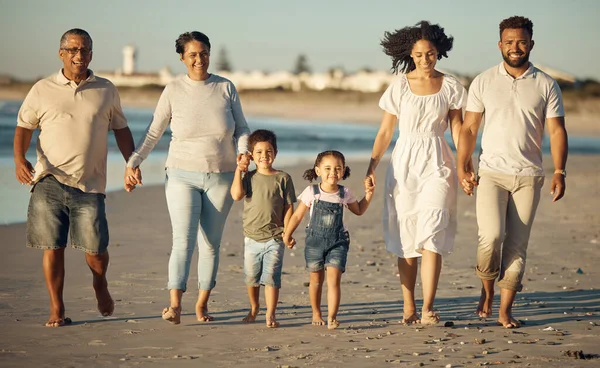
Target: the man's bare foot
pixel 202 313
pixel 410 318
pixel 271 321
pixel 172 315
pixel 106 305
pixel 332 324
pixel 317 320
pixel 484 308
pixel 58 322
pixel 507 321
pixel 429 318
pixel 251 317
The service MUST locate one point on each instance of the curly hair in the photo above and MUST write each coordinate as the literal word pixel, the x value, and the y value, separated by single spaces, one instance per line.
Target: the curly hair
pixel 262 135
pixel 311 174
pixel 399 44
pixel 186 37
pixel 517 22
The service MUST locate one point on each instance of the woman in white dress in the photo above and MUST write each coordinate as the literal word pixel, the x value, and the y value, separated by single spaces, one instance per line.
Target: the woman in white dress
pixel 421 185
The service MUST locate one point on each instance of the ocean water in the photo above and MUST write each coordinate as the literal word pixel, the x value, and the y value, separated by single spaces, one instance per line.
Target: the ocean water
pixel 298 141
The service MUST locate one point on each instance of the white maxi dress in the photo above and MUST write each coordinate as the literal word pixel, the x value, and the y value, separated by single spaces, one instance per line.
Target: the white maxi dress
pixel 421 183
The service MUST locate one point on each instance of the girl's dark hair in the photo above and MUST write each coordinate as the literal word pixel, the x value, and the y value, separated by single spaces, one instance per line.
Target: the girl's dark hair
pixel 186 37
pixel 399 44
pixel 516 22
pixel 311 174
pixel 262 135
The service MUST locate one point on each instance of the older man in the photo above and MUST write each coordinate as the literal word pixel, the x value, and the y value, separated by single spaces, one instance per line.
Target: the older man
pixel 74 111
pixel 517 101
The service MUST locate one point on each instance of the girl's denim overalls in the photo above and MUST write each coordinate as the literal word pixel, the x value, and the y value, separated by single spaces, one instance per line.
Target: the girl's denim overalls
pixel 327 242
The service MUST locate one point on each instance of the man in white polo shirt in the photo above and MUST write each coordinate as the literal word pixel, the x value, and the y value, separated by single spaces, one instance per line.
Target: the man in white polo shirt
pixel 74 111
pixel 516 100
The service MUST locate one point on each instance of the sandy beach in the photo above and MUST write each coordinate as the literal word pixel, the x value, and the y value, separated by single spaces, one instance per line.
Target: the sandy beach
pixel 560 304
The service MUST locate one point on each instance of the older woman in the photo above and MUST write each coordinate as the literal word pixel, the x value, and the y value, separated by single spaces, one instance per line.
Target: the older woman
pixel 207 123
pixel 421 185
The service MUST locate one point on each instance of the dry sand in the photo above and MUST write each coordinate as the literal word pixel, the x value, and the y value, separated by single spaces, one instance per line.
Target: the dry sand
pixel 356 107
pixel 560 304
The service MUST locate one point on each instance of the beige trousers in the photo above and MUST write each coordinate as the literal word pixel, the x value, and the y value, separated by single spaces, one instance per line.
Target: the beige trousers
pixel 506 206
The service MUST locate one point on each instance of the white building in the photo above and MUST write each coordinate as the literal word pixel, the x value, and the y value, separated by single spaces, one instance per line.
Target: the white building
pixel 128 77
pixel 362 81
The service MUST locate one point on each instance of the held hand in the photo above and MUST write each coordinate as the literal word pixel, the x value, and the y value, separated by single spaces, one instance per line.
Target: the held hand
pixel 558 186
pixel 467 180
pixel 369 185
pixel 289 241
pixel 133 177
pixel 371 177
pixel 243 161
pixel 24 172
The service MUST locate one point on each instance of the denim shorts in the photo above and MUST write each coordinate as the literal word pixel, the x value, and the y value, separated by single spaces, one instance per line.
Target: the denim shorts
pixel 57 211
pixel 263 262
pixel 326 250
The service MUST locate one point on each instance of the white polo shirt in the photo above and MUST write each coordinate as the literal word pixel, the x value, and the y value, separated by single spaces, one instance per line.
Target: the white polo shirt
pixel 74 121
pixel 514 112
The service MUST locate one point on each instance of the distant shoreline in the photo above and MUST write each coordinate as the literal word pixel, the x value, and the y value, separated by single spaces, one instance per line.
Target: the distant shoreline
pixel 583 114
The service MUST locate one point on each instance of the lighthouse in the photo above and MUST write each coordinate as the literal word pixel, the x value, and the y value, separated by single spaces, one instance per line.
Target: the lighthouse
pixel 129 60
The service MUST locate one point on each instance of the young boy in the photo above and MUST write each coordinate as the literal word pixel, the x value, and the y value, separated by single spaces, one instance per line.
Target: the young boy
pixel 268 206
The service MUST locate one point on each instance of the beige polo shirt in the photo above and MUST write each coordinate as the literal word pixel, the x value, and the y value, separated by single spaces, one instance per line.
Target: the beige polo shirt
pixel 514 112
pixel 74 121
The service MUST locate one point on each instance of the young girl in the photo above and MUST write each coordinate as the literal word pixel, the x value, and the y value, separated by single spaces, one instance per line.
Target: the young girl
pixel 327 239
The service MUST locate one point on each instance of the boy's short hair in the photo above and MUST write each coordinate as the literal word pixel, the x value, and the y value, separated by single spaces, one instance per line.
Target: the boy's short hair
pixel 262 135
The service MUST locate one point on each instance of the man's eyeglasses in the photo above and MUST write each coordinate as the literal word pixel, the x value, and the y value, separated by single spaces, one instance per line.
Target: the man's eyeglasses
pixel 74 50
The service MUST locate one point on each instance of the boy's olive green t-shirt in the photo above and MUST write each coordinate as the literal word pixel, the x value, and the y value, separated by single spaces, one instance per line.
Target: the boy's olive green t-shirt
pixel 266 197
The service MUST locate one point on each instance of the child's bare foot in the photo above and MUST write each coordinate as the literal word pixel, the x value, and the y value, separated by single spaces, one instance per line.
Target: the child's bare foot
pixel 317 320
pixel 484 308
pixel 251 317
pixel 410 318
pixel 508 321
pixel 202 313
pixel 332 324
pixel 271 321
pixel 172 315
pixel 429 318
pixel 106 305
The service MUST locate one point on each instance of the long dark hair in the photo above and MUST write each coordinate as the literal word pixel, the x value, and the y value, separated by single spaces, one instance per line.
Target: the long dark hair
pixel 399 44
pixel 311 174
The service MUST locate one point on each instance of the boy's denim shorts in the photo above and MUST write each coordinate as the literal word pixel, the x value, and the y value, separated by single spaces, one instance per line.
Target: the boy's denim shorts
pixel 57 211
pixel 263 262
pixel 326 251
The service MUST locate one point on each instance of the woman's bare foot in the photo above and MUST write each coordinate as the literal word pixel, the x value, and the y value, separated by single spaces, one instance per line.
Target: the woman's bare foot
pixel 410 318
pixel 271 321
pixel 251 317
pixel 508 321
pixel 202 313
pixel 429 318
pixel 332 324
pixel 58 322
pixel 106 305
pixel 484 308
pixel 172 315
pixel 317 320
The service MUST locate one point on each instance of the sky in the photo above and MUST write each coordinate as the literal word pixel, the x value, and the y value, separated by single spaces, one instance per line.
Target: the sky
pixel 269 35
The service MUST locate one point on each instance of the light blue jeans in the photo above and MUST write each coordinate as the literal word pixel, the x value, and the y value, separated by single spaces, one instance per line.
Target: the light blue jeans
pixel 198 204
